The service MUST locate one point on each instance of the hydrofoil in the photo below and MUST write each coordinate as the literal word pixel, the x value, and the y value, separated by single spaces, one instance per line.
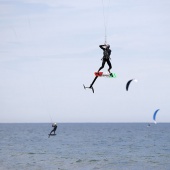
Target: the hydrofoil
pixel 100 74
pixel 51 135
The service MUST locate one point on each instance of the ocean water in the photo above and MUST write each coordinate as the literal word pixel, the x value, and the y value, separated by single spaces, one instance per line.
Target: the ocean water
pixel 85 146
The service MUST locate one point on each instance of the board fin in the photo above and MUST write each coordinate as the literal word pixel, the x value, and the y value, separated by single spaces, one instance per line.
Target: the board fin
pixel 91 87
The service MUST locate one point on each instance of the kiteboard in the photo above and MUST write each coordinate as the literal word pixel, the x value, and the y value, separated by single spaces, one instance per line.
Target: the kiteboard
pixel 51 134
pixel 102 74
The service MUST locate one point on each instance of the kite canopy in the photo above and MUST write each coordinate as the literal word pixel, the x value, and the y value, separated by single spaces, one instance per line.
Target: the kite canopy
pixel 154 115
pixel 129 82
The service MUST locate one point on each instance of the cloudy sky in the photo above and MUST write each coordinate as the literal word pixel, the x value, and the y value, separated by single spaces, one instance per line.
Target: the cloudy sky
pixel 49 49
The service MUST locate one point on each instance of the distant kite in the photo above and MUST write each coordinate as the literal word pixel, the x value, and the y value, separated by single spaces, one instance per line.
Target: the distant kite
pixel 128 83
pixel 154 115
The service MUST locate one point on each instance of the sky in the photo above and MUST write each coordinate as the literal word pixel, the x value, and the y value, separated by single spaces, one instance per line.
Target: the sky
pixel 49 49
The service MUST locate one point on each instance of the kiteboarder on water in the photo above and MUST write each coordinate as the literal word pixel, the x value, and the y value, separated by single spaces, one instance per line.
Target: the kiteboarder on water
pixel 54 125
pixel 106 57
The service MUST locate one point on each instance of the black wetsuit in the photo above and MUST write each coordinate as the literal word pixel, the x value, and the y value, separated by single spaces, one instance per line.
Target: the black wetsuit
pixel 106 57
pixel 54 129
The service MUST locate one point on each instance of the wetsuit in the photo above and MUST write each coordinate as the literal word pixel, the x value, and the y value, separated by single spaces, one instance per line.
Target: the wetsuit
pixel 106 57
pixel 54 129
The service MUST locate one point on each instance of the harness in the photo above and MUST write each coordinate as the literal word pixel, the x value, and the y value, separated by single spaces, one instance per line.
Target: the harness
pixel 106 54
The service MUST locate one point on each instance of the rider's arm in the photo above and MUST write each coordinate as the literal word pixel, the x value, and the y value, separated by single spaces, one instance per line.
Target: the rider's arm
pixel 102 47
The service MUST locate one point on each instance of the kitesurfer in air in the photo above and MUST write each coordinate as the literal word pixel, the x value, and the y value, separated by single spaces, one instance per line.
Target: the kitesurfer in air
pixel 54 125
pixel 106 57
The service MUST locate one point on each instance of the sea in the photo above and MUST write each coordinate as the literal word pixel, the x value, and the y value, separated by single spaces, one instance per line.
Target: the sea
pixel 85 146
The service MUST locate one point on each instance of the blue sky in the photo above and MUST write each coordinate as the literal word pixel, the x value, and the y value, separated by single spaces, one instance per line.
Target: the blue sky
pixel 48 50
